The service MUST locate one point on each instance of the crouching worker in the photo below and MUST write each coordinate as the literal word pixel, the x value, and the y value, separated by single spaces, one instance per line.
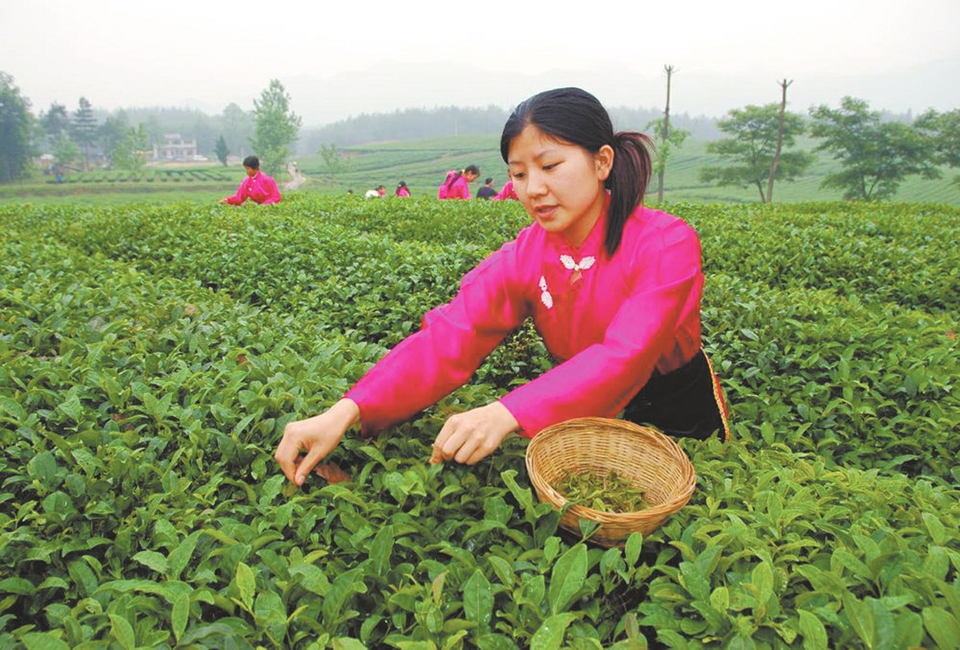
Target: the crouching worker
pixel 613 288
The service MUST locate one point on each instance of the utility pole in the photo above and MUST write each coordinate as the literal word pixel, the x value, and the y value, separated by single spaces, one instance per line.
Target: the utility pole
pixel 665 132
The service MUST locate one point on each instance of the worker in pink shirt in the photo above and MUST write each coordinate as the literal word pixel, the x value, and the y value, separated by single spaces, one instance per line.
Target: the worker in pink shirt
pixel 257 186
pixel 506 192
pixel 456 184
pixel 612 287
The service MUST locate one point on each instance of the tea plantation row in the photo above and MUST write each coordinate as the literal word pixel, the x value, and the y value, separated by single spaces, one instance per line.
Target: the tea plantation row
pixel 151 355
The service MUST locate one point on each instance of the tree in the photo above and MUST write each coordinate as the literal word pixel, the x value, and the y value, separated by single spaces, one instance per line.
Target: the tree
pixel 112 133
pixel 665 138
pixel 334 161
pixel 238 128
pixel 15 125
pixel 276 127
pixel 756 131
pixel 130 151
pixel 875 156
pixel 943 130
pixel 55 122
pixel 221 150
pixel 65 151
pixel 674 139
pixel 84 129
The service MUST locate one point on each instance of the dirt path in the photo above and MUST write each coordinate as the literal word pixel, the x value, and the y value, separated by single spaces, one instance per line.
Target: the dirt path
pixel 298 178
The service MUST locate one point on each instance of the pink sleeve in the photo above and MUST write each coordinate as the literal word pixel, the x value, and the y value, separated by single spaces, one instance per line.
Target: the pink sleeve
pixel 443 355
pixel 273 192
pixel 461 188
pixel 601 380
pixel 239 197
pixel 505 193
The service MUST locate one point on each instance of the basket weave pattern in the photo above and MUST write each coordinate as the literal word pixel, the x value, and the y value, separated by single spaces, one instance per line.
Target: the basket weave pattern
pixel 649 459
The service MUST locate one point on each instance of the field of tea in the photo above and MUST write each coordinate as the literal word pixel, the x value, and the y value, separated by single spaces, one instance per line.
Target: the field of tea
pixel 150 356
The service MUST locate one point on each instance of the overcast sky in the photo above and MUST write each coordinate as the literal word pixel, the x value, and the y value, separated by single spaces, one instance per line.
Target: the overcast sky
pixel 338 59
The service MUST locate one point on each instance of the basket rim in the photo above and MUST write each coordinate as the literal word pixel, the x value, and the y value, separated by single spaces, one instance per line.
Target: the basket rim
pixel 676 500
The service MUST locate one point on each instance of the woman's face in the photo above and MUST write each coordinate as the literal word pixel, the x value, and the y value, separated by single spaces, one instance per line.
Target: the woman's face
pixel 251 172
pixel 560 184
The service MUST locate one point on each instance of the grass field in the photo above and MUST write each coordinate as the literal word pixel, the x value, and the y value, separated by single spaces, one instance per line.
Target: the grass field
pixel 422 164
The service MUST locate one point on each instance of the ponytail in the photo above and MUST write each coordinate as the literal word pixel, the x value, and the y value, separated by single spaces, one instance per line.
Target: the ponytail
pixel 627 182
pixel 452 177
pixel 575 116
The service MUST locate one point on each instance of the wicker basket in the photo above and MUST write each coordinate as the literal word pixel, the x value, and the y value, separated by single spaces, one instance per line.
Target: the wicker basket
pixel 649 459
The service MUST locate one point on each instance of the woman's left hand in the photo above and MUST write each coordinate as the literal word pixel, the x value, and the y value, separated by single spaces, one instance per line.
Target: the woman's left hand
pixel 471 436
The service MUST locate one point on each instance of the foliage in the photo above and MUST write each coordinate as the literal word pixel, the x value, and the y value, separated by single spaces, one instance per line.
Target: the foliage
pixel 55 121
pixel 221 150
pixel 15 126
pixel 334 160
pixel 111 135
pixel 130 151
pixel 276 127
pixel 151 355
pixel 65 151
pixel 944 131
pixel 753 146
pixel 875 156
pixel 83 129
pixel 664 146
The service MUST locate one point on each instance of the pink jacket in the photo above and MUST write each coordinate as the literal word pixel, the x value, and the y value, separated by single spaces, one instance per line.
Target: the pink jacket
pixel 460 189
pixel 506 193
pixel 259 187
pixel 609 323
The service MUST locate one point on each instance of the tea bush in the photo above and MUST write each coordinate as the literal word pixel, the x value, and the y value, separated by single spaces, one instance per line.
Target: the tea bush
pixel 151 355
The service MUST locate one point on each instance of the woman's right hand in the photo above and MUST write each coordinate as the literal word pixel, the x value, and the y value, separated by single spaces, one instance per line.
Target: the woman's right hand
pixel 316 437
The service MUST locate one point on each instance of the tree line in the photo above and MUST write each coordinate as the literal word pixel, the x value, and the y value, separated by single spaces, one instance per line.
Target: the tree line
pixel 83 138
pixel 756 146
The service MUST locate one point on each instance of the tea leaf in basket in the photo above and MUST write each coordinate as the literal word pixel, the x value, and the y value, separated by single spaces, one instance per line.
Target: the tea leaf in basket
pixel 606 493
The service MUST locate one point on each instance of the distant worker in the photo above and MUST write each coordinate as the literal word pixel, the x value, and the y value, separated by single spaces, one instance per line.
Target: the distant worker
pixel 487 191
pixel 257 186
pixel 506 192
pixel 402 189
pixel 378 193
pixel 456 186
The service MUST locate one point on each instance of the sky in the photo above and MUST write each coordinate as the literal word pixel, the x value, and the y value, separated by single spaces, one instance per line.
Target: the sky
pixel 340 59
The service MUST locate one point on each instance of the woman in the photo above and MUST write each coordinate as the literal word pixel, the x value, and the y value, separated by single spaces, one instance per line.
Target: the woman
pixel 456 185
pixel 402 189
pixel 257 186
pixel 613 288
pixel 506 192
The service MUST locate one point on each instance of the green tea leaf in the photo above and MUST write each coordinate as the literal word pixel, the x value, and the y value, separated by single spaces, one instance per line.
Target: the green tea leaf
pixel 567 577
pixel 246 584
pixel 813 631
pixel 122 631
pixel 381 548
pixel 942 627
pixel 549 636
pixel 153 560
pixel 938 533
pixel 860 619
pixel 179 615
pixel 43 641
pixel 478 600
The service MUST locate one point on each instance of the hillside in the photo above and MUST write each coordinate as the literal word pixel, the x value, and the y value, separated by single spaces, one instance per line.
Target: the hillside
pixel 422 164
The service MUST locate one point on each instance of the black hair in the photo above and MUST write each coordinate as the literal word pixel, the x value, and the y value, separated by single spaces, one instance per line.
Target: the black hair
pixel 252 162
pixel 576 117
pixel 488 181
pixel 452 177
